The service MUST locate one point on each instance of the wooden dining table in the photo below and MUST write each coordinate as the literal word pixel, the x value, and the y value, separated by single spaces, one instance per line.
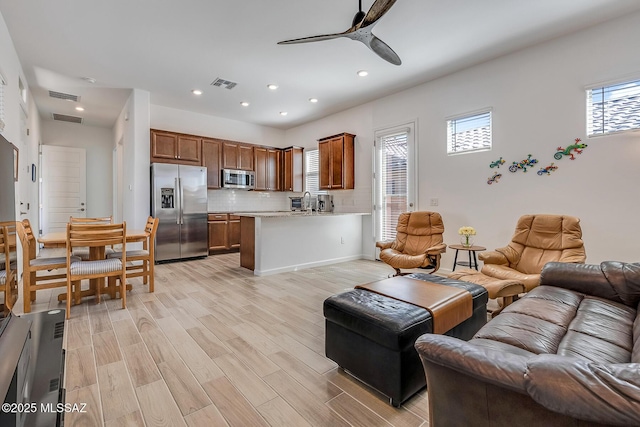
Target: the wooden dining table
pixel 58 239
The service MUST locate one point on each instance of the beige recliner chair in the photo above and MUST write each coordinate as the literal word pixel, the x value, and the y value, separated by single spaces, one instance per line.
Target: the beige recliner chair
pixel 516 268
pixel 418 243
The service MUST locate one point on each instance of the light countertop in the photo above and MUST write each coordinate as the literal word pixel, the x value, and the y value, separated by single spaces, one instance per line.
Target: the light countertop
pixel 285 214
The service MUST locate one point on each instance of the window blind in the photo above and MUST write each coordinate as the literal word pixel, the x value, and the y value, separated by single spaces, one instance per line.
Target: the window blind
pixel 614 108
pixel 312 172
pixel 393 180
pixel 469 133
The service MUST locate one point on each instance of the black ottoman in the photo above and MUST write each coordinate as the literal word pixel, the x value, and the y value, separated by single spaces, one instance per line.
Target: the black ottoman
pixel 372 336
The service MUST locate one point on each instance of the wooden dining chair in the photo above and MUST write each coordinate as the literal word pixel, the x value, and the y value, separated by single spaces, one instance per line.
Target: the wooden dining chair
pixel 36 271
pixel 146 256
pixel 96 237
pixel 83 253
pixel 9 273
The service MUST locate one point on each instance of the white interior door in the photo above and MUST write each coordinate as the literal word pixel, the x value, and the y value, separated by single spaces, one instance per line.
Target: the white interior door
pixel 64 186
pixel 394 178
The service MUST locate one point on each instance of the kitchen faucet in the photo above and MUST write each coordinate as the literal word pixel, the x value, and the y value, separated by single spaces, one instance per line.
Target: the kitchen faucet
pixel 307 205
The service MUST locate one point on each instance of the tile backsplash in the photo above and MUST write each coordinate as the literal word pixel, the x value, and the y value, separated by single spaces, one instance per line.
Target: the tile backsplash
pixel 247 201
pixel 358 200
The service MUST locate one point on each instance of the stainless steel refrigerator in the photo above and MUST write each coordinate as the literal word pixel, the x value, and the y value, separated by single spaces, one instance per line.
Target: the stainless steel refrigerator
pixel 179 200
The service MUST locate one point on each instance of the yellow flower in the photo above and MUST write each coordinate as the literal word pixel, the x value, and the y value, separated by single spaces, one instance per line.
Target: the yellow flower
pixel 467 231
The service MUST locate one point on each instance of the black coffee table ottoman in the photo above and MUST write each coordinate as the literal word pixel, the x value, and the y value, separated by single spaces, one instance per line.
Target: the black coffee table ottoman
pixel 372 336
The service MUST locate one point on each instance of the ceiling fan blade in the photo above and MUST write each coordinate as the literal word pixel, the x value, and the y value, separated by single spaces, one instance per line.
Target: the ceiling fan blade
pixel 313 38
pixel 384 51
pixel 377 10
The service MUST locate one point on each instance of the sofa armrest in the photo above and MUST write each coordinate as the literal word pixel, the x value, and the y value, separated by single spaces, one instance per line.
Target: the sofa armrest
pixel 384 244
pixel 493 257
pixel 492 366
pixel 612 280
pixel 437 249
pixel 608 394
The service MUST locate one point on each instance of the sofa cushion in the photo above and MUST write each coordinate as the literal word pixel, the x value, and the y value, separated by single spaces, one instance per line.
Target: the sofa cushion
pixel 600 332
pixel 559 321
pixel 635 354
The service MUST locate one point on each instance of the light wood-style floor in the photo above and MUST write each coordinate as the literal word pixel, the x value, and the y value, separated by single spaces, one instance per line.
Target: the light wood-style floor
pixel 216 346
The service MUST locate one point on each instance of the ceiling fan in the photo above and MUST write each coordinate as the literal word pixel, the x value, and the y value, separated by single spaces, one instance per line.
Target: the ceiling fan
pixel 361 31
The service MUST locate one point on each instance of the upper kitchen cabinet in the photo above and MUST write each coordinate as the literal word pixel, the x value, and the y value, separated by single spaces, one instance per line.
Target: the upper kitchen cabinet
pixel 237 156
pixel 267 167
pixel 211 158
pixel 336 162
pixel 169 147
pixel 293 175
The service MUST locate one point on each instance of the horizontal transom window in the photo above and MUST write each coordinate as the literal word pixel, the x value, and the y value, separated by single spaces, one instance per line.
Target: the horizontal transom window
pixel 614 108
pixel 469 133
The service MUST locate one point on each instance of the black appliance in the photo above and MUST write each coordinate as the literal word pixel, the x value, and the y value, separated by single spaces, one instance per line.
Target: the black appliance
pixel 32 369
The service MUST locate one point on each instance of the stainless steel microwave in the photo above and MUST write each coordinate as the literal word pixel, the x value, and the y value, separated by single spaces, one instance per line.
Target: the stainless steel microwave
pixel 233 178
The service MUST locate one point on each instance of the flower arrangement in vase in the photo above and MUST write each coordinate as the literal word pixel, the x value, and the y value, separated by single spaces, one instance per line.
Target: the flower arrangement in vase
pixel 466 235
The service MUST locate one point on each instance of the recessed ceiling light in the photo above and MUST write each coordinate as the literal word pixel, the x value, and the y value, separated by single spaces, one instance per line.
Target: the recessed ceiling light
pixel 80 108
pixel 89 79
pixel 272 86
pixel 283 113
pixel 196 92
pixel 363 73
pixel 314 100
pixel 244 103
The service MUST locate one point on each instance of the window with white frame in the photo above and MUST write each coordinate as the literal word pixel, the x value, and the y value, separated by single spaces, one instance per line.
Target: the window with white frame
pixel 614 108
pixel 471 132
pixel 2 85
pixel 312 172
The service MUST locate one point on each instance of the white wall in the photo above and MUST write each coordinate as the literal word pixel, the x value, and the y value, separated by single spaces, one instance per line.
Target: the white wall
pixel 132 129
pixel 175 120
pixel 16 132
pixel 97 142
pixel 538 101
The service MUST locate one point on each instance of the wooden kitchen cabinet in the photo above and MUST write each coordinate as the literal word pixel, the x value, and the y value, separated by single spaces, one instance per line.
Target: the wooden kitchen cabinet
pixel 211 158
pixel 292 170
pixel 170 147
pixel 218 237
pixel 266 162
pixel 224 232
pixel 233 231
pixel 336 156
pixel 237 156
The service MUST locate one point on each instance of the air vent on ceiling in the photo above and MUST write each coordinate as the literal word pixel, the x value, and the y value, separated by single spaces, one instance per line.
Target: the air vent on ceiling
pixel 65 96
pixel 65 118
pixel 224 83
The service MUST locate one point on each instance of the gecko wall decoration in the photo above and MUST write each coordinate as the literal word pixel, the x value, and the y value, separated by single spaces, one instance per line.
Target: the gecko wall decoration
pixel 577 148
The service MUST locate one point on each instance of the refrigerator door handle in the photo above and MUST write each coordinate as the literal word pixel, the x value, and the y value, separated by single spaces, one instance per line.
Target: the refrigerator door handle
pixel 181 201
pixel 178 201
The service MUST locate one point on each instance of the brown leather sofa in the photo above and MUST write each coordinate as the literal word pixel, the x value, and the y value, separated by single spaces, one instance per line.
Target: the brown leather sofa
pixel 566 354
pixel 418 242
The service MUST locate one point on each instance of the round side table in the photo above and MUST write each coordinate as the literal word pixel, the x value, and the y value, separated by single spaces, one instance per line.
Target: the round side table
pixel 473 261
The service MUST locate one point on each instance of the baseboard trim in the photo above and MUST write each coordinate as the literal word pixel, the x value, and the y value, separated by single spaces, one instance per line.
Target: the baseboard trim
pixel 308 265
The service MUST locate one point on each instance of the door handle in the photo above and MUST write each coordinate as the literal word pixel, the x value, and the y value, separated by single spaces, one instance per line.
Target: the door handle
pixel 177 201
pixel 181 201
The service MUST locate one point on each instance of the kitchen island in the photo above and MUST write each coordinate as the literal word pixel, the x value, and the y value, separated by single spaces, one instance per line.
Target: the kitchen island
pixel 275 242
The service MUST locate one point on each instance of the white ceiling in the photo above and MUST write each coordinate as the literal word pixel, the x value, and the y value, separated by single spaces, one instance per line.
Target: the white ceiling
pixel 170 47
